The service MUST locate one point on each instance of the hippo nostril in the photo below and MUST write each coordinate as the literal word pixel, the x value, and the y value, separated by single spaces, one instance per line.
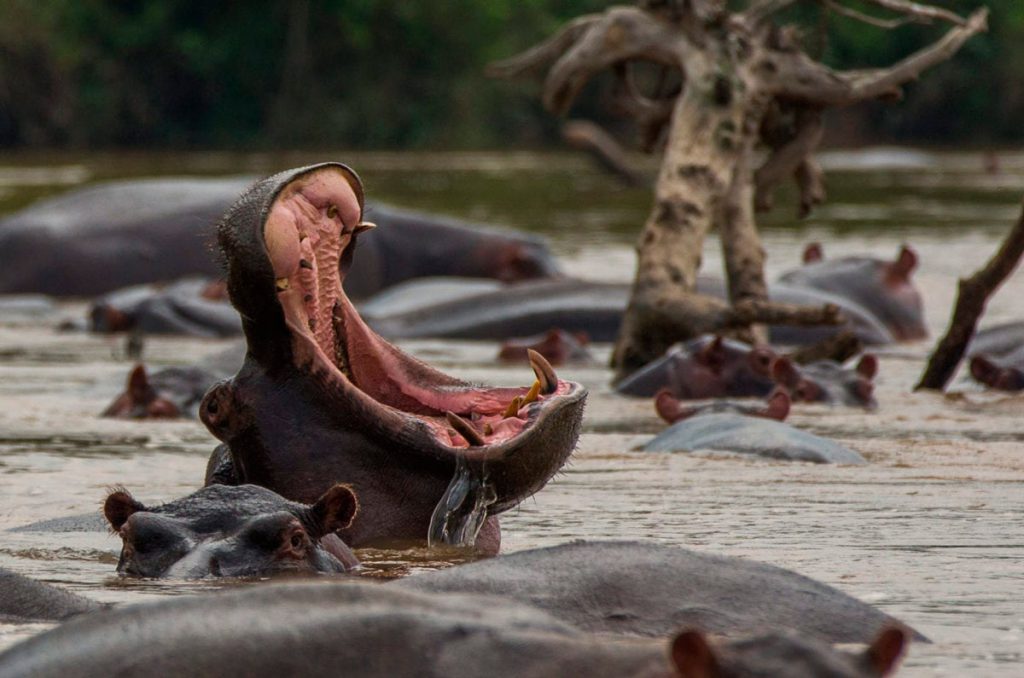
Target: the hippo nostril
pixel 212 407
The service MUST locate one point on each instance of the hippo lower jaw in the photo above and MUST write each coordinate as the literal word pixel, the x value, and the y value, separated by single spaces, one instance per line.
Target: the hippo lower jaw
pixel 519 437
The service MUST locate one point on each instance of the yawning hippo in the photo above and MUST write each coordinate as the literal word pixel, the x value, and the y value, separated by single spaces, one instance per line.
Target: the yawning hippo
pixel 321 398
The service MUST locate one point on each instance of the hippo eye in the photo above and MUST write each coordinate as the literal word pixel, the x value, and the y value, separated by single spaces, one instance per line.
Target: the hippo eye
pixel 296 540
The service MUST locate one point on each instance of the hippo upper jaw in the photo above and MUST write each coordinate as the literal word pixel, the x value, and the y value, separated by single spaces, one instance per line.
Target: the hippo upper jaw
pixel 287 243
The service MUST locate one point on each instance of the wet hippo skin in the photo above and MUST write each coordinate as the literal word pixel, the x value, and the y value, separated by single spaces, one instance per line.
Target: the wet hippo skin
pixel 23 599
pixel 646 589
pixel 108 236
pixel 705 367
pixel 374 631
pixel 175 391
pixel 882 287
pixel 755 436
pixel 322 399
pixel 232 532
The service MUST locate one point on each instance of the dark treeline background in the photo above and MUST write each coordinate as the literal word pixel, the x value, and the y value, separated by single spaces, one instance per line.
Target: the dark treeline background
pixel 403 74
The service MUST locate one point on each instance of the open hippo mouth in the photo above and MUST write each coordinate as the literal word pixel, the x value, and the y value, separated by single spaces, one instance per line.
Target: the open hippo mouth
pixel 288 243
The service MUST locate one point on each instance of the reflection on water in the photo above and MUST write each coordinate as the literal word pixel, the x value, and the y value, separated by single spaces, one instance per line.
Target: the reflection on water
pixel 930 530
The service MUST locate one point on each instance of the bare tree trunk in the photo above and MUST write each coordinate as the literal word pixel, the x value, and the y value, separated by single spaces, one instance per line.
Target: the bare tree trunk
pixel 742 81
pixel 970 304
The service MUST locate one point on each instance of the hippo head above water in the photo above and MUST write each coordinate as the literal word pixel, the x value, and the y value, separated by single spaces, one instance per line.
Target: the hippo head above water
pixel 321 398
pixel 231 532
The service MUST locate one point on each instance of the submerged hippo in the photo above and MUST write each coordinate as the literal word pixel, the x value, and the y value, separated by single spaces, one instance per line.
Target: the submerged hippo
pixel 882 287
pixel 1002 372
pixel 100 238
pixel 26 600
pixel 706 367
pixel 556 345
pixel 175 391
pixel 519 310
pixel 321 398
pixel 647 589
pixel 324 629
pixel 231 532
pixel 828 382
pixel 754 436
pixel 672 409
pixel 195 307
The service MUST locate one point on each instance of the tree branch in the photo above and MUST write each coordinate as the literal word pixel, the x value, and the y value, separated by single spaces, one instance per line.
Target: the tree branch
pixel 973 295
pixel 851 13
pixel 650 114
pixel 810 180
pixel 534 60
pixel 799 78
pixel 787 158
pixel 918 12
pixel 751 312
pixel 620 34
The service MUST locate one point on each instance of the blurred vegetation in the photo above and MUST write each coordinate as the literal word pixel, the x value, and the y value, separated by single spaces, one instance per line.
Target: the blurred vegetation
pixel 384 74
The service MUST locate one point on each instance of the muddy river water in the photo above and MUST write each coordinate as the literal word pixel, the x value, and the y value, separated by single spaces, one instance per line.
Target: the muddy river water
pixel 931 530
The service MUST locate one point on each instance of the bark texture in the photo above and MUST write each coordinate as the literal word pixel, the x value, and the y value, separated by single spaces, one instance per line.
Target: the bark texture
pixel 973 295
pixel 744 90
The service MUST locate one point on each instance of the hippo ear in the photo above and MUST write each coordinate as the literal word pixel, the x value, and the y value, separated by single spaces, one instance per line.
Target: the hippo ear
pixel 778 405
pixel 867 367
pixel 669 408
pixel 139 389
pixel 692 655
pixel 813 253
pixel 884 652
pixel 333 511
pixel 784 372
pixel 904 265
pixel 119 506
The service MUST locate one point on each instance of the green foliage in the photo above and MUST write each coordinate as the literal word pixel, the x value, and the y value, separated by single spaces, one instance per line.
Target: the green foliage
pixel 375 73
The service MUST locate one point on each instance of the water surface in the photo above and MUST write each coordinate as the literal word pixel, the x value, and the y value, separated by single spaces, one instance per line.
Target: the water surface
pixel 931 530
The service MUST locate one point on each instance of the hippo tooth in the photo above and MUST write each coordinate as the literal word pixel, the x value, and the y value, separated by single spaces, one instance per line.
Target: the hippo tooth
pixel 332 211
pixel 364 226
pixel 545 373
pixel 513 407
pixel 305 264
pixel 465 429
pixel 282 284
pixel 532 394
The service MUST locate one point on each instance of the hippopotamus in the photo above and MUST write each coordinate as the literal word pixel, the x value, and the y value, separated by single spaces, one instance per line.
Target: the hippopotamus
pixel 100 238
pixel 706 367
pixel 417 293
pixel 672 409
pixel 26 600
pixel 518 310
pixel 649 589
pixel 882 287
pixel 754 436
pixel 321 398
pixel 556 345
pixel 193 306
pixel 373 631
pixel 173 391
pixel 231 532
pixel 858 320
pixel 1002 372
pixel 828 382
pixel 997 340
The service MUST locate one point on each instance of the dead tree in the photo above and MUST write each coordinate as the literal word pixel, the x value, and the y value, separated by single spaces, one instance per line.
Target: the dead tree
pixel 746 87
pixel 973 295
